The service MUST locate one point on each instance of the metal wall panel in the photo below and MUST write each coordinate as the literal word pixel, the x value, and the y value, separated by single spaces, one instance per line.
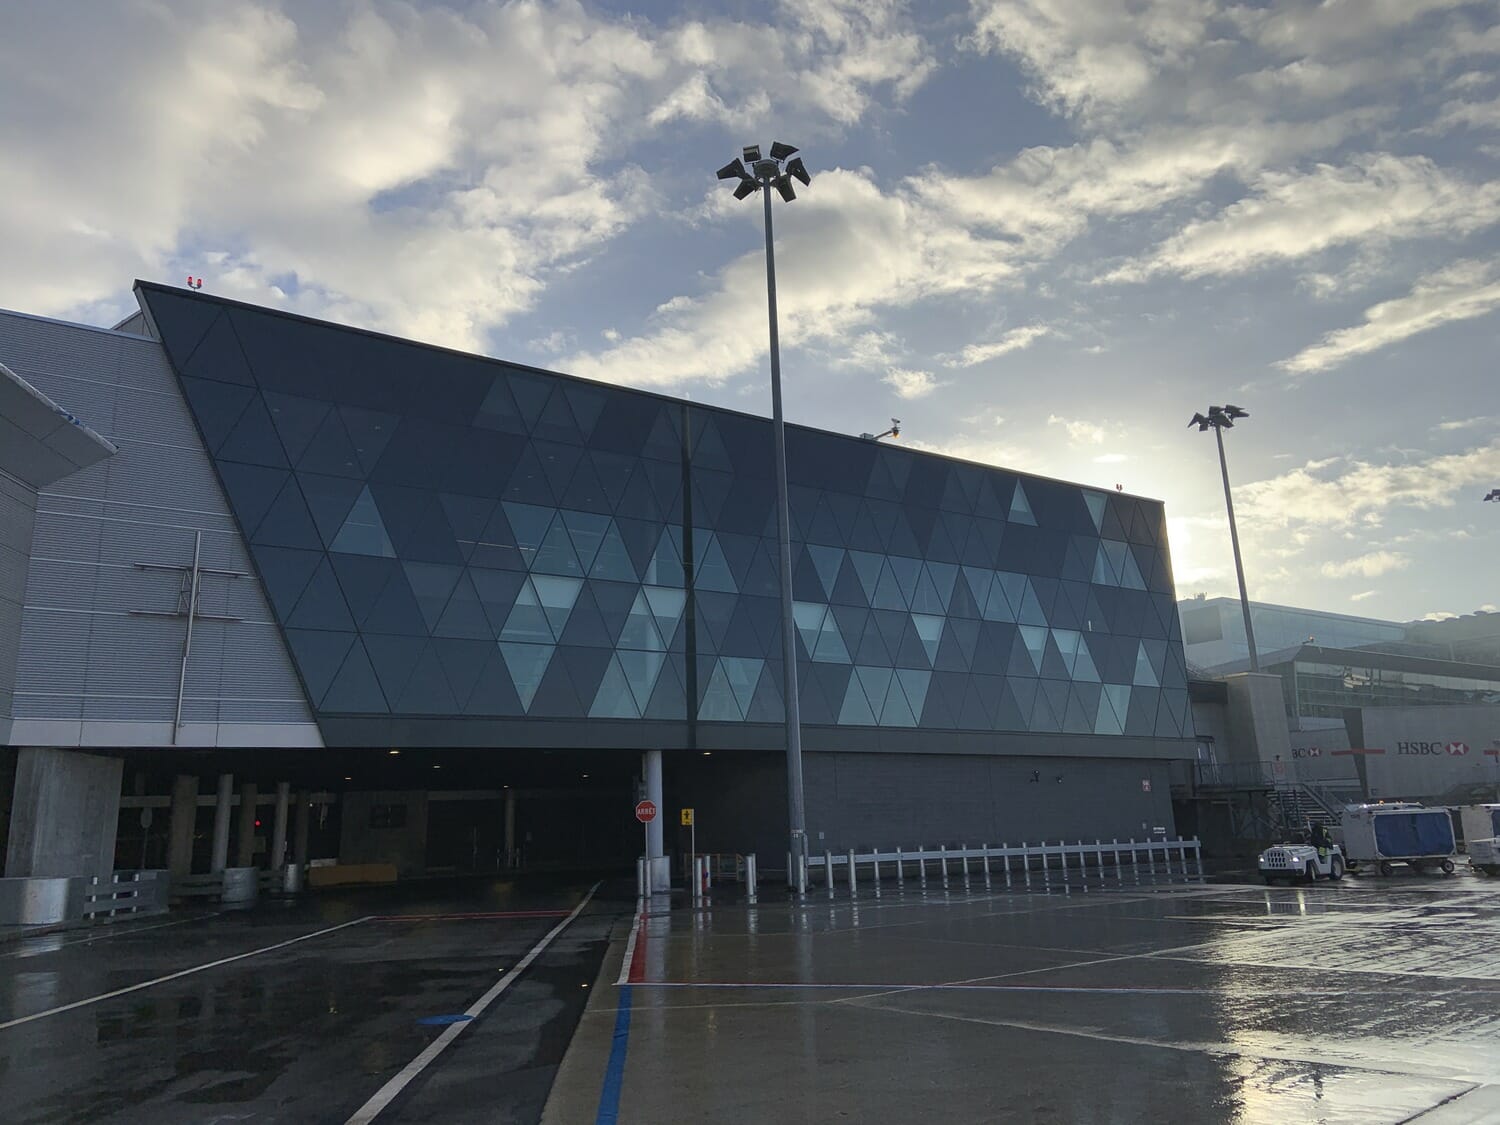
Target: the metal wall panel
pixel 17 516
pixel 91 644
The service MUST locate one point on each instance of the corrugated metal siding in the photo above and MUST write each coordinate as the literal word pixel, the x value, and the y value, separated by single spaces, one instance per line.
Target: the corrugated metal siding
pixel 83 652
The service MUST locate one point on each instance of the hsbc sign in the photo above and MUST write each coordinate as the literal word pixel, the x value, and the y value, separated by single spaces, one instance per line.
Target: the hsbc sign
pixel 1432 749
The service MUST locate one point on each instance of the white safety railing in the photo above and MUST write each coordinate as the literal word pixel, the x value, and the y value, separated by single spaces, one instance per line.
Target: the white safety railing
pixel 125 892
pixel 1012 864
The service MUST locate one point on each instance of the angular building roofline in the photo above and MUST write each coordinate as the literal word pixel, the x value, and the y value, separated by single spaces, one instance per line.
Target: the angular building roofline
pixel 179 291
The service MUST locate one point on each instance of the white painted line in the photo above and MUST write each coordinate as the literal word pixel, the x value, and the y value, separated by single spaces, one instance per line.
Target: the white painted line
pixel 387 1093
pixel 635 932
pixel 176 975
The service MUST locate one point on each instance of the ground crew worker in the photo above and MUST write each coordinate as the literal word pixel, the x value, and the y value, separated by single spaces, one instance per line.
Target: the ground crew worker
pixel 1321 840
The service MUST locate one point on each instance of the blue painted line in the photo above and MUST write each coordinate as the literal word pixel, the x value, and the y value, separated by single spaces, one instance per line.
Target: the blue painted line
pixel 614 1070
pixel 443 1021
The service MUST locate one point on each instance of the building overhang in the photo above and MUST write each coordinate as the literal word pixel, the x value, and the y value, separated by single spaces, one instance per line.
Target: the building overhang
pixel 40 442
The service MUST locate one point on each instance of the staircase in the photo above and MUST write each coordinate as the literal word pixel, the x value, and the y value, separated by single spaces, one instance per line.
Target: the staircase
pixel 1297 807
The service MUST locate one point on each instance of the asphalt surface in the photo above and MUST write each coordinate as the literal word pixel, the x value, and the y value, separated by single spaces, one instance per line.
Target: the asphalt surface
pixel 315 1007
pixel 1367 1002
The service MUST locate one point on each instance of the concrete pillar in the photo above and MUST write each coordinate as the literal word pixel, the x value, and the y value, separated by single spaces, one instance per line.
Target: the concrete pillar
pixel 278 826
pixel 301 826
pixel 244 852
pixel 223 809
pixel 65 808
pixel 510 828
pixel 184 817
pixel 661 866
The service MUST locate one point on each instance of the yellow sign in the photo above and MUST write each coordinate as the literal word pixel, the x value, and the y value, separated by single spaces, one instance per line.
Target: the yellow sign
pixel 687 818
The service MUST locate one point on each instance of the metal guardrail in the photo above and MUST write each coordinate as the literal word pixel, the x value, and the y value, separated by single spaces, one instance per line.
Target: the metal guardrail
pixel 1014 863
pixel 126 892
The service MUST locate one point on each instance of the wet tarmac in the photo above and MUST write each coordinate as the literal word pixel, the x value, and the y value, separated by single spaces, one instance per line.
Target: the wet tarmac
pixel 303 1013
pixel 1364 1002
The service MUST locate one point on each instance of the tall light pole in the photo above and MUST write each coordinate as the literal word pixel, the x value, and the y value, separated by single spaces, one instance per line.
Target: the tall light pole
pixel 1219 419
pixel 765 173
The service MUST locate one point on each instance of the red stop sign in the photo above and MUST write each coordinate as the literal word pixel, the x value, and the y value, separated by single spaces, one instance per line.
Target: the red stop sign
pixel 645 811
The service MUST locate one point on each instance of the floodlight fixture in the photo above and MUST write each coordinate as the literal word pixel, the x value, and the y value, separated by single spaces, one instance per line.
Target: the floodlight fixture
pixel 894 431
pixel 1494 494
pixel 766 173
pixel 1218 419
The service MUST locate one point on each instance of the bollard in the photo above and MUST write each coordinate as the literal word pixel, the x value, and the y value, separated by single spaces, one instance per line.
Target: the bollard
pixel 900 867
pixel 853 879
pixel 875 867
pixel 1119 871
pixel 1005 855
pixel 1044 860
pixel 986 849
pixel 750 875
pixel 828 870
pixel 1135 860
pixel 697 880
pixel 922 864
pixel 964 855
pixel 943 860
pixel 643 878
pixel 1099 857
pixel 1198 856
pixel 1026 862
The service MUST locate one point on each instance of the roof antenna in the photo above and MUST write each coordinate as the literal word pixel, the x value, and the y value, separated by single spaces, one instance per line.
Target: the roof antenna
pixel 194 282
pixel 894 431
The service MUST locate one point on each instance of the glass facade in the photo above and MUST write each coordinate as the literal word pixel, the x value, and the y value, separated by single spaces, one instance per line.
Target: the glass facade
pixel 446 535
pixel 1323 687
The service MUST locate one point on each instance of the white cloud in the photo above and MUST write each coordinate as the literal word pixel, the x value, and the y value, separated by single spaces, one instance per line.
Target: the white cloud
pixel 1089 58
pixel 272 151
pixel 909 384
pixel 1361 493
pixel 1371 565
pixel 1079 431
pixel 1292 215
pixel 1438 615
pixel 1014 340
pixel 1461 291
pixel 1363 595
pixel 1464 423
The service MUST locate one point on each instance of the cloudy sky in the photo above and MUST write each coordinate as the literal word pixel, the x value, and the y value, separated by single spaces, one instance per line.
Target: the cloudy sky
pixel 1041 232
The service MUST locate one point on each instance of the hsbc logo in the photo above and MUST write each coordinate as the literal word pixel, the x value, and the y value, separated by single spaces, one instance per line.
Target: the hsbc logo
pixel 1431 749
pixel 1310 752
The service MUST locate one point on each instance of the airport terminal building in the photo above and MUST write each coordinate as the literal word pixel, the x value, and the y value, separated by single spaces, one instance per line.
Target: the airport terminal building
pixel 439 606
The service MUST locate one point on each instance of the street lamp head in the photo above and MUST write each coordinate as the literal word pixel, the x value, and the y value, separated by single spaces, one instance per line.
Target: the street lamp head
pixel 774 171
pixel 1201 422
pixel 1494 495
pixel 1218 418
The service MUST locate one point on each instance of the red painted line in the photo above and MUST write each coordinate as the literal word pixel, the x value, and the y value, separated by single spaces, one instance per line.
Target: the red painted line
pixel 481 915
pixel 638 959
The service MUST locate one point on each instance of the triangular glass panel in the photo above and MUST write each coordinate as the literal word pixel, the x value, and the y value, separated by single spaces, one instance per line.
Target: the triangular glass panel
pixel 1145 674
pixel 363 532
pixel 556 554
pixel 711 572
pixel 587 531
pixel 914 685
pixel 216 407
pixel 1095 502
pixel 330 451
pixel 827 561
pixel 896 711
pixel 499 411
pixel 254 440
pixel 464 616
pixel 743 674
pixel 856 709
pixel 1035 640
pixel 640 631
pixel 930 629
pixel 556 595
pixel 288 523
pixel 641 672
pixel 285 572
pixel 219 356
pixel 527 665
pixel 1113 705
pixel 665 567
pixel 830 646
pixel 433 584
pixel 614 699
pixel 1020 507
pixel 355 690
pixel 393 659
pixel 719 704
pixel 612 560
pixel 809 620
pixel 318 655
